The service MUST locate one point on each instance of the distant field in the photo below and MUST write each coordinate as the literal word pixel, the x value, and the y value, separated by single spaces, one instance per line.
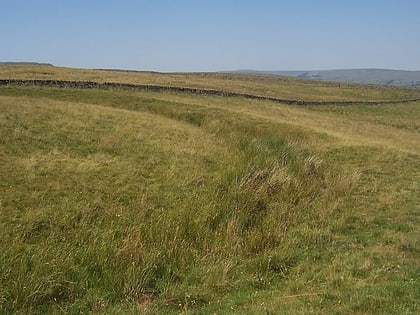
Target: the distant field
pixel 125 201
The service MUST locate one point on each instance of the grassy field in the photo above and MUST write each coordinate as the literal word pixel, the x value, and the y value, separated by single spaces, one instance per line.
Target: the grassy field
pixel 122 201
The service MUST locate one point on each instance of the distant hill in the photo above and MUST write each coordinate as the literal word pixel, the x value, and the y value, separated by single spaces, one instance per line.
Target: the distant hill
pixel 372 76
pixel 17 63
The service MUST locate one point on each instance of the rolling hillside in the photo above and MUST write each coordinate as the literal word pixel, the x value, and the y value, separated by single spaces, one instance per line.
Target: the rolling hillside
pixel 120 200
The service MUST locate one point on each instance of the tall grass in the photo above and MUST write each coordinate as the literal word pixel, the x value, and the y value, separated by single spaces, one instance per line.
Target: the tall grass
pixel 120 206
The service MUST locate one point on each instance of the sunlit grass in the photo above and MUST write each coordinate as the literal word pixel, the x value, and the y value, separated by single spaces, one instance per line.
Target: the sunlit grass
pixel 123 201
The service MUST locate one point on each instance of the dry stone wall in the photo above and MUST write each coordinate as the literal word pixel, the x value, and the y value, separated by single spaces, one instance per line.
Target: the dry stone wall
pixel 161 88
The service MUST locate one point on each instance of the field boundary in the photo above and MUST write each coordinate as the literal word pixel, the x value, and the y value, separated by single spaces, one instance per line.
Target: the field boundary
pixel 190 90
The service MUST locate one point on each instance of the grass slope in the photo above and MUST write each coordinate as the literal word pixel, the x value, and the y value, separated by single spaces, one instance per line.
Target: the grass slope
pixel 118 201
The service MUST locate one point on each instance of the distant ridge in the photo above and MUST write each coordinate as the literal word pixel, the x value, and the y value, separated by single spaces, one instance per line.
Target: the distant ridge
pixel 24 63
pixel 371 76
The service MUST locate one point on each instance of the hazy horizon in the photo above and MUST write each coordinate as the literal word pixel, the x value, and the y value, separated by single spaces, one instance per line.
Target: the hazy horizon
pixel 222 70
pixel 217 35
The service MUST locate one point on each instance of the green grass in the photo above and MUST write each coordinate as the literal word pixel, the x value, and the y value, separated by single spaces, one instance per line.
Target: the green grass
pixel 118 201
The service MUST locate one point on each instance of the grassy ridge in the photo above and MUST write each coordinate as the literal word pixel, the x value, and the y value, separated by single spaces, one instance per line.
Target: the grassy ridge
pixel 124 201
pixel 265 85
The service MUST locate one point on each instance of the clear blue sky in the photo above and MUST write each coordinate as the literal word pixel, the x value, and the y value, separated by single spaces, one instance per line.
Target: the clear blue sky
pixel 211 35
